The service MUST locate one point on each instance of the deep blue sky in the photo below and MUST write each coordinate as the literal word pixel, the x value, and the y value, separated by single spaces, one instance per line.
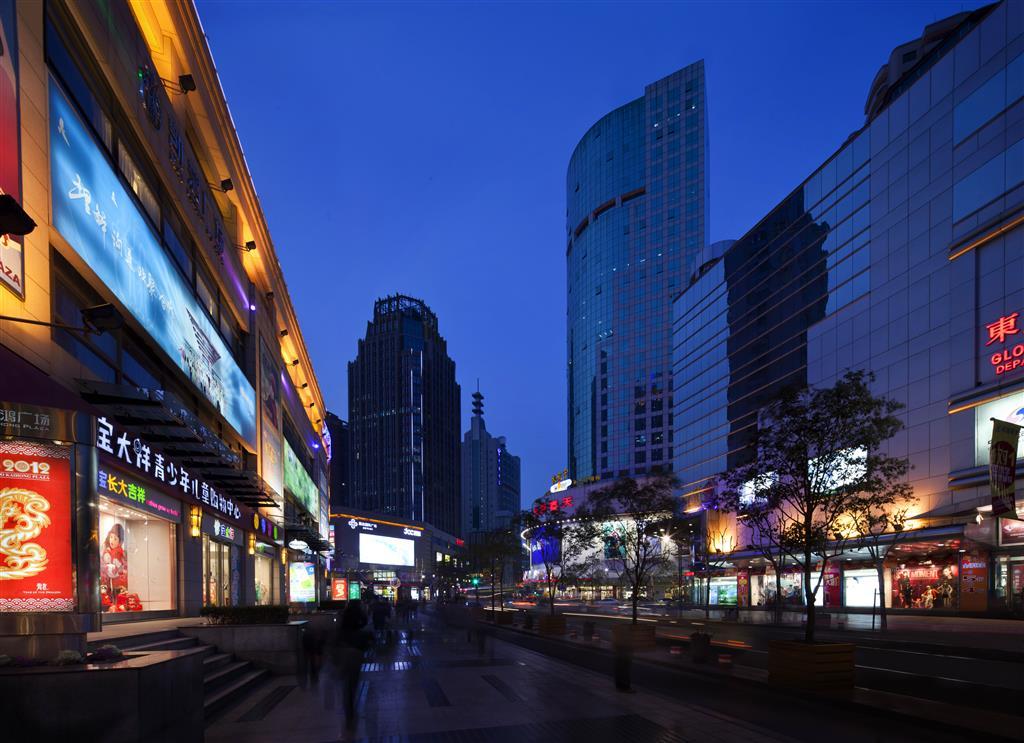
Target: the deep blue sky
pixel 421 148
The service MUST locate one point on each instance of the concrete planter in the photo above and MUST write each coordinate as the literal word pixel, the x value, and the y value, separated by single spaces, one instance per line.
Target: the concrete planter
pixel 634 636
pixel 276 647
pixel 812 667
pixel 499 617
pixel 149 696
pixel 551 625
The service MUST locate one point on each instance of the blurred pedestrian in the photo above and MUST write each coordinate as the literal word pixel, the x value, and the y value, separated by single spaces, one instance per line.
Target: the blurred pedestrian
pixel 381 612
pixel 351 641
pixel 623 650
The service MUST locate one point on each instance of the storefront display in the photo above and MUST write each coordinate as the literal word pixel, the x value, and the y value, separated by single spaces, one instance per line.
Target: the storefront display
pixel 222 548
pixel 137 559
pixel 924 586
pixel 860 587
pixel 763 589
pixel 722 591
pixel 35 527
pixel 266 572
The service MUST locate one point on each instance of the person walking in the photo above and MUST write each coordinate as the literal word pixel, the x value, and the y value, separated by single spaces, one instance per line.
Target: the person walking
pixel 351 641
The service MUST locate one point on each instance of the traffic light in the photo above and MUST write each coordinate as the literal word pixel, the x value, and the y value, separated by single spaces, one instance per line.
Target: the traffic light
pixel 476 580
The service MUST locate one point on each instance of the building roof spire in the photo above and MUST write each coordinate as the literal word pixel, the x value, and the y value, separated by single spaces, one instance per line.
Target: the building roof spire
pixel 478 401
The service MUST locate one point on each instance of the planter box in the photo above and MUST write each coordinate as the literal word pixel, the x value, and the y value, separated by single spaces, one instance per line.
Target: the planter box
pixel 814 667
pixel 634 636
pixel 502 617
pixel 551 625
pixel 154 696
pixel 276 647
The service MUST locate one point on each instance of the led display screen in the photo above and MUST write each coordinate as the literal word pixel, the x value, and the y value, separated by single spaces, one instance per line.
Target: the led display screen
pixel 99 219
pixel 379 550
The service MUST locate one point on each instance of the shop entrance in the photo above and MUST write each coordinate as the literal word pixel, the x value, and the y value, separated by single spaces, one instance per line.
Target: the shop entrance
pixel 220 573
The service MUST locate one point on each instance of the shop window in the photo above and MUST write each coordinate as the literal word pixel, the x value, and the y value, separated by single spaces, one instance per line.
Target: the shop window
pixel 267 579
pixel 74 82
pixel 207 292
pixel 137 560
pixel 220 573
pixel 137 183
pixel 180 248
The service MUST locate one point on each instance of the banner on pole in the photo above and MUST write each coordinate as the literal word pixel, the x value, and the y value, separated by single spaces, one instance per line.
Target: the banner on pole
pixel 1002 458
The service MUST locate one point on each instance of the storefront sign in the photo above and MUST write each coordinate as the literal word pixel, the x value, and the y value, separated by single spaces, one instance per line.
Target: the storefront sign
pixel 301 582
pixel 35 527
pixel 224 531
pixel 1003 332
pixel 1003 466
pixel 12 255
pixel 114 484
pixel 561 485
pixel 99 219
pixel 552 505
pixel 743 587
pixel 1011 531
pixel 265 527
pixel 137 454
pixel 19 420
pixel 298 482
pixel 973 582
pixel 339 589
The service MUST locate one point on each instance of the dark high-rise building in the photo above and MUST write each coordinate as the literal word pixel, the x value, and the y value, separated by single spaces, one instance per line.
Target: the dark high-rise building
pixel 490 477
pixel 637 204
pixel 404 417
pixel 340 466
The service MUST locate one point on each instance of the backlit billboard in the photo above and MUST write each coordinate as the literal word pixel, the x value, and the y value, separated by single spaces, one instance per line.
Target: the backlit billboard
pixel 301 582
pixel 99 219
pixel 381 550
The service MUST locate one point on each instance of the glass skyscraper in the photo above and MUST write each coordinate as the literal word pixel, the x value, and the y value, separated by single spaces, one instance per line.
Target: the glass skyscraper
pixel 637 204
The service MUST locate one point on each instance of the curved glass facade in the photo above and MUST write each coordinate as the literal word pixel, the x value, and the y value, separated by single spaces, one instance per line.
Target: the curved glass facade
pixel 636 195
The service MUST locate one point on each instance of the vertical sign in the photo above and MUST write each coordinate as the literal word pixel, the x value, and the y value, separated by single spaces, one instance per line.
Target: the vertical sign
pixel 1002 466
pixel 339 589
pixel 12 261
pixel 973 582
pixel 35 527
pixel 833 584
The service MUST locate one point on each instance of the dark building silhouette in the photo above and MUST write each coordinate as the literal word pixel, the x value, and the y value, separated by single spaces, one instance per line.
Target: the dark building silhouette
pixel 404 417
pixel 340 464
pixel 490 477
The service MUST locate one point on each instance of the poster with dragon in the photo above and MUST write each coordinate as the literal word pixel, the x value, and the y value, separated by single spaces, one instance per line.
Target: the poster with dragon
pixel 35 527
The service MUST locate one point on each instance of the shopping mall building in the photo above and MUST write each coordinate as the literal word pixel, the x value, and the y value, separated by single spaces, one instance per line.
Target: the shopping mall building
pixel 162 445
pixel 903 254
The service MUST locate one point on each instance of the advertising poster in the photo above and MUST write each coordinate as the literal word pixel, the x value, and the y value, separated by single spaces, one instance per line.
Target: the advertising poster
pixel 35 527
pixel 379 550
pixel 1002 466
pixel 12 262
pixel 973 582
pixel 925 586
pixel 100 220
pixel 1011 532
pixel 298 482
pixel 743 587
pixel 832 584
pixel 273 461
pixel 339 589
pixel 301 582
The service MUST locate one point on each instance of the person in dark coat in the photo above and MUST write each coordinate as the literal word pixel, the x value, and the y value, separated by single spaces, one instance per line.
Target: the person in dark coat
pixel 351 641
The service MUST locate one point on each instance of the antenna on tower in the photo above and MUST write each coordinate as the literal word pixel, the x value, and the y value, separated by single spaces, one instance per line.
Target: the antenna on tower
pixel 478 400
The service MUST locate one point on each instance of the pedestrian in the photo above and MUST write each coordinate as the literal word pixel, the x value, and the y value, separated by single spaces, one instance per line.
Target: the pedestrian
pixel 623 651
pixel 380 612
pixel 313 640
pixel 351 641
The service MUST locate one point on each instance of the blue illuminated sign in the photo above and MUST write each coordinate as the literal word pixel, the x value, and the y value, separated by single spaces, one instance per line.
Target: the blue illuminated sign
pixel 99 219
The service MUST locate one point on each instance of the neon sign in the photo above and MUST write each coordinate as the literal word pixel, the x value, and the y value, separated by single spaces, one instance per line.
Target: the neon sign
pixel 999 331
pixel 552 506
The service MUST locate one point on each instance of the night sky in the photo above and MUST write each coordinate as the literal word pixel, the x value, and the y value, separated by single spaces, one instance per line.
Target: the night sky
pixel 421 148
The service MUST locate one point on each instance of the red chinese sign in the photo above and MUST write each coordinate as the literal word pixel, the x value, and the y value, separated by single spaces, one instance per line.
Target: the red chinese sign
pixel 552 506
pixel 1000 331
pixel 832 584
pixel 35 528
pixel 339 589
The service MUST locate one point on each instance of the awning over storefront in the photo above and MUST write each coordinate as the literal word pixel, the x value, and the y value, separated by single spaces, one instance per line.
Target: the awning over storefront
pixel 163 420
pixel 306 534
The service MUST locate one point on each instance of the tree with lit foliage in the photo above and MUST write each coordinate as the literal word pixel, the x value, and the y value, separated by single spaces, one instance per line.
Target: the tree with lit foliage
pixel 879 528
pixel 642 510
pixel 816 459
pixel 558 542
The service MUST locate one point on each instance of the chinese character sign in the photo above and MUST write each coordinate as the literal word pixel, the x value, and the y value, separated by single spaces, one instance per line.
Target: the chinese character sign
pixel 100 220
pixel 35 527
pixel 12 264
pixel 1004 336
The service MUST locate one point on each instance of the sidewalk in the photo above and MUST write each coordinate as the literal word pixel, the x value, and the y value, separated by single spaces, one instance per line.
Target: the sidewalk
pixel 441 689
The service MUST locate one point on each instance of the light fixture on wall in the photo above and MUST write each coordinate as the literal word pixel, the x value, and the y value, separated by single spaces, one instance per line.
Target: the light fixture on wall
pixel 252 544
pixel 295 362
pixel 226 185
pixel 284 556
pixel 284 332
pixel 187 83
pixel 195 517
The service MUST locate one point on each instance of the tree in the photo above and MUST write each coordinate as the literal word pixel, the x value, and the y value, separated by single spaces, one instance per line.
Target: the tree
pixel 557 542
pixel 879 529
pixel 641 510
pixel 494 550
pixel 817 458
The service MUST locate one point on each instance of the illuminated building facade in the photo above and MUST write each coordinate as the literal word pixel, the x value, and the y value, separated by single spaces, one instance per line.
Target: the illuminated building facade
pixel 154 377
pixel 899 255
pixel 636 211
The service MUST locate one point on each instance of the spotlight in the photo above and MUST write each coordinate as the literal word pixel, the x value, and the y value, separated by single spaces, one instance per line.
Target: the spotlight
pixel 252 307
pixel 295 362
pixel 13 219
pixel 270 296
pixel 226 185
pixel 250 245
pixel 304 385
pixel 284 332
pixel 187 83
pixel 312 405
pixel 102 318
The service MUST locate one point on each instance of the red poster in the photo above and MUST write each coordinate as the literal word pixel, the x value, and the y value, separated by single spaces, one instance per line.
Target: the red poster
pixel 35 527
pixel 742 588
pixel 832 584
pixel 339 589
pixel 925 586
